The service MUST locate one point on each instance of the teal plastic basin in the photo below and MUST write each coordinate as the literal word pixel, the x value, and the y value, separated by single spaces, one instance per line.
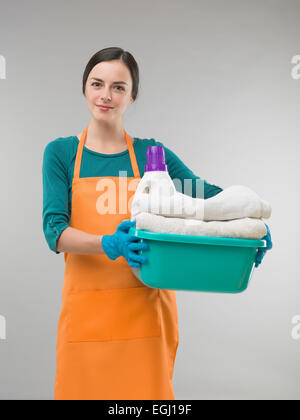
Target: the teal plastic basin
pixel 196 263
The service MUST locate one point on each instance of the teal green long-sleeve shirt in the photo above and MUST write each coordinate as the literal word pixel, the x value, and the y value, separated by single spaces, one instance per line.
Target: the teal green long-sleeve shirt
pixel 58 168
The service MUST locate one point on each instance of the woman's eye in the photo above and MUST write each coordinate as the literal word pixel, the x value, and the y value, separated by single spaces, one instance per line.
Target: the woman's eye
pixel 96 83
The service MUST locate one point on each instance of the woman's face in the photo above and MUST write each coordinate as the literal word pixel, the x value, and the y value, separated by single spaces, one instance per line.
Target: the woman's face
pixel 107 92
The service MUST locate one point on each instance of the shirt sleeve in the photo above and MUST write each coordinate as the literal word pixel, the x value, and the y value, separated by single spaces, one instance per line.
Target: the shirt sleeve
pixel 55 194
pixel 185 180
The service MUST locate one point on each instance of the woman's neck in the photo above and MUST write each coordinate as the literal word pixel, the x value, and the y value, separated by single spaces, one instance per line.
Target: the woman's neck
pixel 106 135
pixel 106 139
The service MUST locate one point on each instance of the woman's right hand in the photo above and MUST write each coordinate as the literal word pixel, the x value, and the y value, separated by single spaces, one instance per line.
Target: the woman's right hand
pixel 121 243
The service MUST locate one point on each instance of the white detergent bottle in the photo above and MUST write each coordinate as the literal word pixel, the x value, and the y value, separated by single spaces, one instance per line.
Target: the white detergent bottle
pixel 156 182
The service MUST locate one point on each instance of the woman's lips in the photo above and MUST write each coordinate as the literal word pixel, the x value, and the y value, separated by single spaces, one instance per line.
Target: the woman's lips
pixel 103 108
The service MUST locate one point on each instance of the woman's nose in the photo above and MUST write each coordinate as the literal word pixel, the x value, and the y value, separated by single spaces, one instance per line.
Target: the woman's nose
pixel 106 95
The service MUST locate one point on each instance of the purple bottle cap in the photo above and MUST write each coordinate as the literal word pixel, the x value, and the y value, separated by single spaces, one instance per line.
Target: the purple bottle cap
pixel 156 159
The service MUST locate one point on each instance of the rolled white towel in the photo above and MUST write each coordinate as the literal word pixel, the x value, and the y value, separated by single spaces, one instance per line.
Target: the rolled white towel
pixel 247 228
pixel 234 202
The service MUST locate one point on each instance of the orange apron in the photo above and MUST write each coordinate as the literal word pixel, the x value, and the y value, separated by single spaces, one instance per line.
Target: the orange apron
pixel 116 337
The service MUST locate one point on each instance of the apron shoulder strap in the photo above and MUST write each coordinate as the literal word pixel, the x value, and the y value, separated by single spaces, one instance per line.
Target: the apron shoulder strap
pixel 135 168
pixel 79 154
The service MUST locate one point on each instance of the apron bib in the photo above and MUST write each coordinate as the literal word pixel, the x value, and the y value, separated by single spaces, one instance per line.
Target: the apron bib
pixel 116 337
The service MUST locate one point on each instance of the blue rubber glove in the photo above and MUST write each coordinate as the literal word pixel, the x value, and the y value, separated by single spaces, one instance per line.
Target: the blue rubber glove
pixel 262 251
pixel 121 243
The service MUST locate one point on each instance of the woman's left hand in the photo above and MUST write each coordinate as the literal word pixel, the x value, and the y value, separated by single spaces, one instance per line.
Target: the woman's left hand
pixel 262 251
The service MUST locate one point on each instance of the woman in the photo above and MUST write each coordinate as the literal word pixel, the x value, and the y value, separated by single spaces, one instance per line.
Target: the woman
pixel 117 338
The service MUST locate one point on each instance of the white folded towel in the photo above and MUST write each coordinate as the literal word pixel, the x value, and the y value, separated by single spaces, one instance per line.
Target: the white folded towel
pixel 248 228
pixel 235 202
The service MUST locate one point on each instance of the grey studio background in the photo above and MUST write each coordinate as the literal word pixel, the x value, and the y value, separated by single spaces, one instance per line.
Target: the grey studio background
pixel 220 86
